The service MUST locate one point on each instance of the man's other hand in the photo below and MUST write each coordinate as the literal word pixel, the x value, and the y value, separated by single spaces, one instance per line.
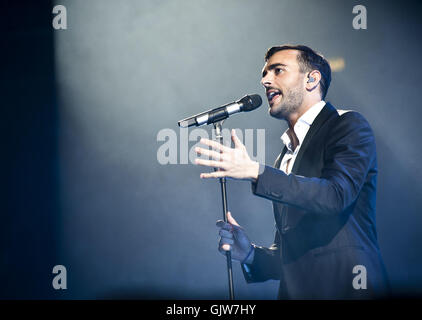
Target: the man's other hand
pixel 234 239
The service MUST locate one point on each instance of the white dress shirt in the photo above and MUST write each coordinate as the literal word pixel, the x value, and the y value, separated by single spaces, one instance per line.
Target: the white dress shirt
pixel 301 129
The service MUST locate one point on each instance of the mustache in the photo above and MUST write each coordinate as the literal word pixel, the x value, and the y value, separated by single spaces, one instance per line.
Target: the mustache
pixel 272 88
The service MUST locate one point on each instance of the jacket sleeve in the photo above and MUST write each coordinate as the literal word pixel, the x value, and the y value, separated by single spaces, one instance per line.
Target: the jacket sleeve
pixel 349 154
pixel 266 263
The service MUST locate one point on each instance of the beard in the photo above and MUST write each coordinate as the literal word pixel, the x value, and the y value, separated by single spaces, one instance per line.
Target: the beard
pixel 291 101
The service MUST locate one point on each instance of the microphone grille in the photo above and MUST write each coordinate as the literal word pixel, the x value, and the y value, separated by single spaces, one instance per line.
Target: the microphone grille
pixel 251 102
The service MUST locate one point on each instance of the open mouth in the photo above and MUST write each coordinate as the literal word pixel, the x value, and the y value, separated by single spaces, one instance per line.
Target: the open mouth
pixel 272 95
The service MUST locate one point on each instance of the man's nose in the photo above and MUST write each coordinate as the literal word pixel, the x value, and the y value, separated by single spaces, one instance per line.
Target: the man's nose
pixel 266 80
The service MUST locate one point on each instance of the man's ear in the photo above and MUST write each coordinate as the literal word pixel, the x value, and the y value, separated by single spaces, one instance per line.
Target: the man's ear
pixel 313 79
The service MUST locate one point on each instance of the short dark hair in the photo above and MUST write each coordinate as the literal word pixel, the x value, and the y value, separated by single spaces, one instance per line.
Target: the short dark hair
pixel 308 60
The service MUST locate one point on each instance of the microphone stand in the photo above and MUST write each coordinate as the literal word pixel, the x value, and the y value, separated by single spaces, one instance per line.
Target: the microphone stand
pixel 219 138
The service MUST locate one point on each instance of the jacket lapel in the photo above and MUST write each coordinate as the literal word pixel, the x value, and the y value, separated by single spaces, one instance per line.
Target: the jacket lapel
pixel 279 158
pixel 322 117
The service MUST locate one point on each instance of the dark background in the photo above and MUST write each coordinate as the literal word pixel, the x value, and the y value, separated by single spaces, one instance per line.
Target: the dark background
pixel 82 108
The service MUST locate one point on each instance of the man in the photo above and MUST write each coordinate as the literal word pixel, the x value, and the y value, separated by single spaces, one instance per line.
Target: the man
pixel 323 188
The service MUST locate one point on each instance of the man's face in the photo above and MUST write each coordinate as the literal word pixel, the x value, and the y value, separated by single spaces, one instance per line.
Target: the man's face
pixel 284 83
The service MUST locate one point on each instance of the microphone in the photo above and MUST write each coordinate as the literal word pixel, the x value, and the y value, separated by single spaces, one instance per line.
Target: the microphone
pixel 247 103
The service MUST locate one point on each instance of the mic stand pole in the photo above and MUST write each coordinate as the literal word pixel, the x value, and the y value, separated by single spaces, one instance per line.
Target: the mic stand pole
pixel 219 138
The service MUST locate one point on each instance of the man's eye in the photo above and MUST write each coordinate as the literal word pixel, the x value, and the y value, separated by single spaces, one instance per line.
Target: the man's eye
pixel 278 70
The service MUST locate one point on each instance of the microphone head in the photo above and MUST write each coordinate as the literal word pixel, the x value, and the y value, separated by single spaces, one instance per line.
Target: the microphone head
pixel 250 102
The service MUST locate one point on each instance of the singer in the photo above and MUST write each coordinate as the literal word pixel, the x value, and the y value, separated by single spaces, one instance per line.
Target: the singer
pixel 323 189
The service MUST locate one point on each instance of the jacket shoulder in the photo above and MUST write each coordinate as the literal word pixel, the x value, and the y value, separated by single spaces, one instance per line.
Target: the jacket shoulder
pixel 350 127
pixel 351 117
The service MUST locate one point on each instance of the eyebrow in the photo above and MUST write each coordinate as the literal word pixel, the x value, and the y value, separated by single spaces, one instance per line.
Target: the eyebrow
pixel 271 67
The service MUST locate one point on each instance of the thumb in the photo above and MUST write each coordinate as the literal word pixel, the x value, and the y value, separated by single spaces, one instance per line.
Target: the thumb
pixel 231 220
pixel 236 140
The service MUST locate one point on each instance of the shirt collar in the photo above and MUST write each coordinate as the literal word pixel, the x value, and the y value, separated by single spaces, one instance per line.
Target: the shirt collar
pixel 302 124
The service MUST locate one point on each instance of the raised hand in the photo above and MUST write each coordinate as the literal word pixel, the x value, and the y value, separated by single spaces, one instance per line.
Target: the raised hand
pixel 232 162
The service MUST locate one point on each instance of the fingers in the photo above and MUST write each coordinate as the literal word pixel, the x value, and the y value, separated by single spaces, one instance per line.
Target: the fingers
pixel 219 146
pixel 224 225
pixel 225 248
pixel 214 144
pixel 226 233
pixel 226 236
pixel 232 236
pixel 224 241
pixel 216 163
pixel 210 163
pixel 216 174
pixel 210 153
pixel 225 245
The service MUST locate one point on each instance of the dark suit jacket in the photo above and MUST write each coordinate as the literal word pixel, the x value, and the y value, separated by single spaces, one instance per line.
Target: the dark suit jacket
pixel 325 214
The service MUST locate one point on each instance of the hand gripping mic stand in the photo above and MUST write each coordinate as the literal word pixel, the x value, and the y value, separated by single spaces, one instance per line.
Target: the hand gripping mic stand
pixel 219 138
pixel 216 117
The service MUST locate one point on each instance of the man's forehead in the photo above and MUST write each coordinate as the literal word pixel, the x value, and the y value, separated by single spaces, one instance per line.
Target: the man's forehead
pixel 285 57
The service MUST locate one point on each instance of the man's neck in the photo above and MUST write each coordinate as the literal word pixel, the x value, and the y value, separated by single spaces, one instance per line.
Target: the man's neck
pixel 305 106
pixel 295 116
